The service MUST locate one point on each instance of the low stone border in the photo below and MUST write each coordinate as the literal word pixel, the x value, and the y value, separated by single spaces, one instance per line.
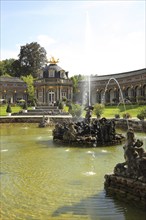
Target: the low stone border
pixel 126 189
pixel 136 125
pixel 32 119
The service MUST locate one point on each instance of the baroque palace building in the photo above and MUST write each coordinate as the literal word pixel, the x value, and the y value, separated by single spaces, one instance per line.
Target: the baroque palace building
pixel 53 85
pixel 12 89
pixel 108 89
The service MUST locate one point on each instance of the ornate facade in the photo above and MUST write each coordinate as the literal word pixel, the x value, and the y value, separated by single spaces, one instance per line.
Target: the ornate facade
pixel 12 89
pixel 53 85
pixel 130 86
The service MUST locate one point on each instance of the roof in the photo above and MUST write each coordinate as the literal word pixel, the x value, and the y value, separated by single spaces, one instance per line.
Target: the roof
pixel 11 79
pixel 54 67
pixel 118 75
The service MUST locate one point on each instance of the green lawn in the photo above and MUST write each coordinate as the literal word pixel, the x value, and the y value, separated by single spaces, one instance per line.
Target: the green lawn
pixel 109 111
pixel 14 109
pixel 133 110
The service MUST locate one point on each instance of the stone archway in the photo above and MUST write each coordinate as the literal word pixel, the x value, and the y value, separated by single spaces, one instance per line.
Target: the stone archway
pixel 111 92
pixel 102 97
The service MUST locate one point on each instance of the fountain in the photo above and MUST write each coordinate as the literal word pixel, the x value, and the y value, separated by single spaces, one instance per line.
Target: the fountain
pixel 88 132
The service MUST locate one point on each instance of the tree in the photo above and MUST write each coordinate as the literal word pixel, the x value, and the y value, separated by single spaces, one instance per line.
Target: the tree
pixel 17 68
pixel 30 87
pixel 32 58
pixel 8 109
pixel 75 79
pixel 6 67
pixel 25 106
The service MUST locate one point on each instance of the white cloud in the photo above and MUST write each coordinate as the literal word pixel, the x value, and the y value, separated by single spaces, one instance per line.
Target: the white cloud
pixel 45 41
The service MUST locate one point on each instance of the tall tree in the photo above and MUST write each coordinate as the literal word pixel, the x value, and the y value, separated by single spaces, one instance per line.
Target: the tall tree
pixel 6 67
pixel 32 58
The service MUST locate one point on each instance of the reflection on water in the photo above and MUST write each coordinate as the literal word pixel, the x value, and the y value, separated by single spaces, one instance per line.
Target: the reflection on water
pixel 44 181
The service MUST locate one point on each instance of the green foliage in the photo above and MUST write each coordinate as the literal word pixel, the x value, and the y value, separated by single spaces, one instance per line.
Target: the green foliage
pixel 142 114
pixel 8 109
pixel 33 103
pixel 75 110
pixel 30 87
pixel 98 109
pixel 25 106
pixel 6 67
pixel 75 79
pixel 32 58
pixel 126 115
pixel 117 116
pixel 64 99
pixel 60 105
pixel 3 109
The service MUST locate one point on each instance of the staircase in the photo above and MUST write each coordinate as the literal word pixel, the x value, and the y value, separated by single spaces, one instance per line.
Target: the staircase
pixel 43 110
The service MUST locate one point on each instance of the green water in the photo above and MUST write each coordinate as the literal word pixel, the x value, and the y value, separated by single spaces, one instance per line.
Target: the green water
pixel 43 181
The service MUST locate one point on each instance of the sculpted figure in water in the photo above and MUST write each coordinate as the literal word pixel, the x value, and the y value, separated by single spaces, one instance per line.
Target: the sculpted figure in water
pixel 135 159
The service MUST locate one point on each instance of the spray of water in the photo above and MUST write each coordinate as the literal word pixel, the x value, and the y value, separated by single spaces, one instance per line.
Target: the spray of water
pixel 103 98
pixel 88 52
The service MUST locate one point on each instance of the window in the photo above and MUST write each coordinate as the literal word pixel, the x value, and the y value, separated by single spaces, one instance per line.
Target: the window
pixel 51 73
pixel 63 94
pixel 62 74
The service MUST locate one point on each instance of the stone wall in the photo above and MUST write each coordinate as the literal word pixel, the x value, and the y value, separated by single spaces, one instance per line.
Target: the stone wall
pixel 129 190
pixel 36 119
pixel 136 125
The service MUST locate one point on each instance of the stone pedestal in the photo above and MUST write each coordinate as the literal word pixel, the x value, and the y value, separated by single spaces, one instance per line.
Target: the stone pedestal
pixel 126 189
pixel 128 181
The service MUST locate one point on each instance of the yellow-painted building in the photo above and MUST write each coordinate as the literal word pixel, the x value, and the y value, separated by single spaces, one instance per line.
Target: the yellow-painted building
pixel 53 85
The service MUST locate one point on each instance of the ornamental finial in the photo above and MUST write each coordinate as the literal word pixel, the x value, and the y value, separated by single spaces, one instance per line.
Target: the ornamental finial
pixel 53 60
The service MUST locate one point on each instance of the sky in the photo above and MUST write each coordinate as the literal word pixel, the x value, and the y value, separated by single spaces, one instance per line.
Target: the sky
pixel 88 37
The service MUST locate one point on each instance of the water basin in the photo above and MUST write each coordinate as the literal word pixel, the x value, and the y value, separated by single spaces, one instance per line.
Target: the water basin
pixel 44 181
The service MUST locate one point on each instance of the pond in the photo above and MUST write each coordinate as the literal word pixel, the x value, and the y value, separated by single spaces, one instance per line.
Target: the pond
pixel 41 180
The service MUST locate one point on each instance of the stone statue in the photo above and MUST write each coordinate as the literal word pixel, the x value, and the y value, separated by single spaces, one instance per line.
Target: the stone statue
pixel 88 116
pixel 70 134
pixel 135 159
pixel 88 132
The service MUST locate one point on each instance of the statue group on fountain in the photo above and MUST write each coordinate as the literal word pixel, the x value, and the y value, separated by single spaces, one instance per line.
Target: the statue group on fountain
pixel 93 132
pixel 135 159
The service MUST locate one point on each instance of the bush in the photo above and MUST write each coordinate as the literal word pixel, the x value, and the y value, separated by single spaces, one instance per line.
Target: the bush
pixel 140 116
pixel 75 110
pixel 33 103
pixel 98 110
pixel 25 106
pixel 61 105
pixel 117 116
pixel 126 115
pixel 8 109
pixel 64 99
